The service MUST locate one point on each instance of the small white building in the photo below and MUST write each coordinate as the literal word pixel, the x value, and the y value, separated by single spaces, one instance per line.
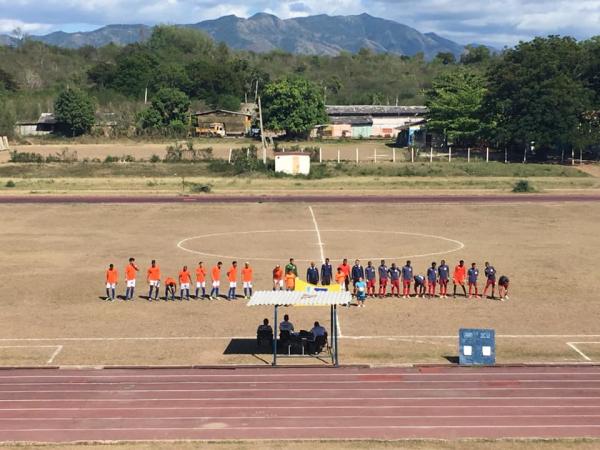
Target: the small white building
pixel 43 126
pixel 292 163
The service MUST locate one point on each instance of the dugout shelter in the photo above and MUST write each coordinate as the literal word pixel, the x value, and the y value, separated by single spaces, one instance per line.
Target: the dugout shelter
pixel 319 299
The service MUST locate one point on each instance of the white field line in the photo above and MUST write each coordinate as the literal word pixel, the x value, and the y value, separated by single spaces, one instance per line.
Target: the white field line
pixel 573 345
pixel 57 349
pixel 458 245
pixel 319 240
pixel 55 354
pixel 322 251
pixel 202 338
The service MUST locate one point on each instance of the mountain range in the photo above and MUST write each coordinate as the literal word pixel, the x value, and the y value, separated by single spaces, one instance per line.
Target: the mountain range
pixel 312 35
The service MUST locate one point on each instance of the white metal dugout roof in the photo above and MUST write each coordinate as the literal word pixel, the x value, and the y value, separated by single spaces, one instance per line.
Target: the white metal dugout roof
pixel 295 298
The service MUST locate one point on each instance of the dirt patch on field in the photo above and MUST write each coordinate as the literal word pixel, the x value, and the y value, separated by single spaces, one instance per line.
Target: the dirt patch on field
pixel 54 259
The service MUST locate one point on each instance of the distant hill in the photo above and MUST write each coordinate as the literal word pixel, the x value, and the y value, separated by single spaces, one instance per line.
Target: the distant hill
pixel 313 35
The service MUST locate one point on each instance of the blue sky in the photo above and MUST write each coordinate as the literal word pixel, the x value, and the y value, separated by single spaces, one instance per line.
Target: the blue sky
pixel 497 23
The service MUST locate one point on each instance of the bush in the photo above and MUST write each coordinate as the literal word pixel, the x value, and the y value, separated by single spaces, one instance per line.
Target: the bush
pixel 64 156
pixel 25 157
pixel 10 184
pixel 523 186
pixel 155 159
pixel 179 153
pixel 115 159
pixel 200 188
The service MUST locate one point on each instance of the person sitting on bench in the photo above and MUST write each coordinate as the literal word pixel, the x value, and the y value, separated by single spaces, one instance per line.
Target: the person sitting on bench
pixel 264 332
pixel 320 337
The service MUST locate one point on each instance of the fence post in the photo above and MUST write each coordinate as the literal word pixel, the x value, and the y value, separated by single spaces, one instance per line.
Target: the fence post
pixel 449 154
pixel 338 159
pixel 394 154
pixel 356 155
pixel 230 151
pixel 320 155
pixel 573 156
pixel 412 155
pixel 375 155
pixel 468 154
pixel 431 155
pixel 580 155
pixel 247 153
pixel 505 155
pixel 487 154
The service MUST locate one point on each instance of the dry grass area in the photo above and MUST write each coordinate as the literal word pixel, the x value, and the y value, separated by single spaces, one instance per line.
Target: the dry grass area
pixel 238 185
pixel 335 445
pixel 54 257
pixel 145 150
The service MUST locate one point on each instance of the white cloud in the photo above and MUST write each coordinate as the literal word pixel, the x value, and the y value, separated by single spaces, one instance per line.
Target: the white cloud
pixel 8 26
pixel 487 21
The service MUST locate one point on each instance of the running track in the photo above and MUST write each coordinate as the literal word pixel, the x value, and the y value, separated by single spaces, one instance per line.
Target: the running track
pixel 61 405
pixel 382 198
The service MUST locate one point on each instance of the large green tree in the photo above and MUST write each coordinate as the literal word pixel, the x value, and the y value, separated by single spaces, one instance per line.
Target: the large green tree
pixel 536 94
pixel 74 111
pixel 455 106
pixel 168 112
pixel 293 105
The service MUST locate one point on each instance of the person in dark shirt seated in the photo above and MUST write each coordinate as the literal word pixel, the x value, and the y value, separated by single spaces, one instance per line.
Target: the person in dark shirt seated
pixel 264 333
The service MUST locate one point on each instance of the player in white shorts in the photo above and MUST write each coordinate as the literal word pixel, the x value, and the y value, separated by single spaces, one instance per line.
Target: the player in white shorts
pixel 130 274
pixel 185 278
pixel 111 282
pixel 200 280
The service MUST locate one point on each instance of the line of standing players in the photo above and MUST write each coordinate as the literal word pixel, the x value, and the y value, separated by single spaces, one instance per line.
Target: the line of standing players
pixel 374 281
pixel 153 277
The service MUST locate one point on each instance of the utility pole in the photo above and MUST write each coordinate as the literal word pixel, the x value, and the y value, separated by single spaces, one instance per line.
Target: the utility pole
pixel 262 130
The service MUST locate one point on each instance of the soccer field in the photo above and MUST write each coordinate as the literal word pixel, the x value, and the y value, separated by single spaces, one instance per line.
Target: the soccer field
pixel 55 256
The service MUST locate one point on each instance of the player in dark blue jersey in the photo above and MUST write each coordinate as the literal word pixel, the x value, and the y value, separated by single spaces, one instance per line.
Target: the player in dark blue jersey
pixel 444 276
pixel 371 278
pixel 383 278
pixel 431 280
pixel 419 286
pixel 407 276
pixel 490 274
pixel 473 275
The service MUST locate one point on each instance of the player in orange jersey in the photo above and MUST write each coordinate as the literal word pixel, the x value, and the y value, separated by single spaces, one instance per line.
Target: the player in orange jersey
pixel 459 277
pixel 247 274
pixel 278 278
pixel 170 288
pixel 112 277
pixel 130 275
pixel 232 278
pixel 200 280
pixel 290 281
pixel 185 278
pixel 153 278
pixel 215 274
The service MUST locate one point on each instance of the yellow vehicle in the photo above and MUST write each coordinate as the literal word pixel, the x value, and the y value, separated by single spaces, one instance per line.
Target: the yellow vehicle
pixel 211 129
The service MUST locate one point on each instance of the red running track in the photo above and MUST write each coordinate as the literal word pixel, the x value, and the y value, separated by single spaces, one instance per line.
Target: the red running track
pixel 56 405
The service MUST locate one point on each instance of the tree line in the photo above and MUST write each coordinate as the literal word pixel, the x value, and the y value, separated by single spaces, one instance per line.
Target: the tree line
pixel 540 98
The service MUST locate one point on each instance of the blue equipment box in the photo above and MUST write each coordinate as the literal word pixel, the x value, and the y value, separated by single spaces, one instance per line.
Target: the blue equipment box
pixel 476 347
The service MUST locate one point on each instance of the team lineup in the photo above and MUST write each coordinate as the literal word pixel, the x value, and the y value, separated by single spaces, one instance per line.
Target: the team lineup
pixel 367 281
